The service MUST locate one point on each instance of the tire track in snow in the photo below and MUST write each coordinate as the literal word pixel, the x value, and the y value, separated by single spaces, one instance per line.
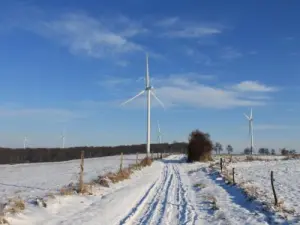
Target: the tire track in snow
pixel 142 207
pixel 168 205
pixel 187 213
pixel 153 209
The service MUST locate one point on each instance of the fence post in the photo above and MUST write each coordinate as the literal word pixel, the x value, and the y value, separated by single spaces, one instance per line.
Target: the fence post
pixel 137 158
pixel 233 181
pixel 121 162
pixel 221 164
pixel 81 172
pixel 273 189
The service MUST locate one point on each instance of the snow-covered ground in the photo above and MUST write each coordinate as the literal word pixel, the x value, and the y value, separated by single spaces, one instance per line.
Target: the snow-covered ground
pixel 168 192
pixel 286 175
pixel 39 179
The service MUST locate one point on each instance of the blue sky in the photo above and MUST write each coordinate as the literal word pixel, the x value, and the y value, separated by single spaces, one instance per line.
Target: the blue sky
pixel 68 65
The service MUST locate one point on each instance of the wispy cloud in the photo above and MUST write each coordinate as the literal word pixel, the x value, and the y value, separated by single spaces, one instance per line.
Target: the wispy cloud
pixel 229 53
pixel 198 57
pixel 174 27
pixel 253 86
pixel 84 34
pixel 166 22
pixel 184 91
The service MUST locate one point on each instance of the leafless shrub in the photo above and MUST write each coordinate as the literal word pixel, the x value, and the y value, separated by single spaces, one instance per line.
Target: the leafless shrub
pixel 200 147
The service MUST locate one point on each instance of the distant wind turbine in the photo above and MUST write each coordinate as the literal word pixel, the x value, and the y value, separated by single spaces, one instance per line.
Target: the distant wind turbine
pixel 250 119
pixel 149 90
pixel 63 138
pixel 25 142
pixel 159 137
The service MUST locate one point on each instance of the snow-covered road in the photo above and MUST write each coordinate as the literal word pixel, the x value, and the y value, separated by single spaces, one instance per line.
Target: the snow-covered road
pixel 164 193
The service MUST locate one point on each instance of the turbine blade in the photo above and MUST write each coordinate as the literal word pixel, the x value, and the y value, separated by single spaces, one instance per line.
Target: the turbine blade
pixel 147 71
pixel 251 114
pixel 159 101
pixel 247 117
pixel 129 100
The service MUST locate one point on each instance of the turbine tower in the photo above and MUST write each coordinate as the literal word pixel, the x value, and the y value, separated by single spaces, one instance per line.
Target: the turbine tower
pixel 250 119
pixel 149 91
pixel 25 142
pixel 159 137
pixel 63 137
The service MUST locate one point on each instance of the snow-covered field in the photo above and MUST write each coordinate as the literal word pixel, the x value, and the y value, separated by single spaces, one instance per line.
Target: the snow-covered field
pixel 39 179
pixel 168 192
pixel 286 175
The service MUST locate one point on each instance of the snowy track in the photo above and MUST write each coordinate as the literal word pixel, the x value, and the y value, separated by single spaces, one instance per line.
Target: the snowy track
pixel 165 203
pixel 164 193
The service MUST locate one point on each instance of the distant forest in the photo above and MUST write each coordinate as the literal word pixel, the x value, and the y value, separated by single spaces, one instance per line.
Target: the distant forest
pixel 34 155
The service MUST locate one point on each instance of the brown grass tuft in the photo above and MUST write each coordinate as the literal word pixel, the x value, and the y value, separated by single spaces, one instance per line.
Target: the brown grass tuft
pixel 16 205
pixel 3 220
pixel 146 162
pixel 119 176
pixel 70 189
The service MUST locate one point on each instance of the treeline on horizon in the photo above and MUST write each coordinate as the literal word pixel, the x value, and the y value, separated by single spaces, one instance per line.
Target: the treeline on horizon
pixel 35 155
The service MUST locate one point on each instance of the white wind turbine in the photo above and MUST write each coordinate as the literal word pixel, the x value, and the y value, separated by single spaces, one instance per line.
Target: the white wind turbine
pixel 25 142
pixel 149 90
pixel 63 138
pixel 159 137
pixel 250 119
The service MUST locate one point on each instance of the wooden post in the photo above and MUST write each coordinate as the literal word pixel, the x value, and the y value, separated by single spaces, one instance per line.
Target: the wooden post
pixel 137 158
pixel 121 162
pixel 233 181
pixel 273 189
pixel 81 172
pixel 221 164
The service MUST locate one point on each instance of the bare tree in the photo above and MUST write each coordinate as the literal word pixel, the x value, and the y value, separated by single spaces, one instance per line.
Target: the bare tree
pixel 229 149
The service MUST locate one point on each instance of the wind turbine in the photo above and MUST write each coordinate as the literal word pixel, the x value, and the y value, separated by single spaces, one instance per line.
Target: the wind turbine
pixel 159 137
pixel 149 91
pixel 25 142
pixel 250 119
pixel 63 137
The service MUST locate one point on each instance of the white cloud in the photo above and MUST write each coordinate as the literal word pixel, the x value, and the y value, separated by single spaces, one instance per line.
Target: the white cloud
pixel 84 34
pixel 193 32
pixel 175 27
pixel 253 86
pixel 167 22
pixel 183 91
